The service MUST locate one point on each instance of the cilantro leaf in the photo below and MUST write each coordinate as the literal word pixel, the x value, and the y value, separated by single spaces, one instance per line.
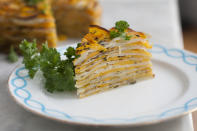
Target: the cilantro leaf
pixel 58 74
pixel 13 56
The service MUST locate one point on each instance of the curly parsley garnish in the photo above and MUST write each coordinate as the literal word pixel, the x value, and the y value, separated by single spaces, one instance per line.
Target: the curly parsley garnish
pixel 58 73
pixel 119 31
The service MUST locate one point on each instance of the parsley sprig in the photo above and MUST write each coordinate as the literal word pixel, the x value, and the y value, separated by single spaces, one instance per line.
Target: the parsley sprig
pixel 119 31
pixel 58 73
pixel 13 56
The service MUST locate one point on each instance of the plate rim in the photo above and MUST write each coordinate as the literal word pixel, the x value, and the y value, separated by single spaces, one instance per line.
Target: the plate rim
pixel 133 124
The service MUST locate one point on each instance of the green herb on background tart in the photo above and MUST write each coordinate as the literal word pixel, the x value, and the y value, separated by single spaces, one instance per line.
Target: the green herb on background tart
pixel 33 2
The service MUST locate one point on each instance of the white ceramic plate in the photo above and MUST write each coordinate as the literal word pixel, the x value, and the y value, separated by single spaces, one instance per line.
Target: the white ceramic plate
pixel 172 93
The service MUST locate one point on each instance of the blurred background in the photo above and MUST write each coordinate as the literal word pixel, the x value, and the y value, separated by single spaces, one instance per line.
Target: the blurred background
pixel 188 12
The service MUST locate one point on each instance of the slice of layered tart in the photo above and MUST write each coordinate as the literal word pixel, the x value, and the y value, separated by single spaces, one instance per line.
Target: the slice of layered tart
pixel 111 58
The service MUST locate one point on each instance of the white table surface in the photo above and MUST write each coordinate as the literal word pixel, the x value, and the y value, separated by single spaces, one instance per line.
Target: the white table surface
pixel 156 17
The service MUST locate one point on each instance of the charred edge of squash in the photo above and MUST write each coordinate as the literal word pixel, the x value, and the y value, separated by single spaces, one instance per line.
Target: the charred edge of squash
pixel 97 26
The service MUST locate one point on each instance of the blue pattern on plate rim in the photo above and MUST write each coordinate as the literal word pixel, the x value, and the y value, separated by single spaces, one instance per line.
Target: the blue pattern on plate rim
pixel 157 49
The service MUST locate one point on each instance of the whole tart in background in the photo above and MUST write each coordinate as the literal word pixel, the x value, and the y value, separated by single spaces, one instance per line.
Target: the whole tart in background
pixel 42 20
pixel 23 19
pixel 73 17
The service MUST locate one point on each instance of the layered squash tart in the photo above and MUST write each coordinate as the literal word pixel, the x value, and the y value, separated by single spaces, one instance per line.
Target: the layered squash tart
pixel 111 58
